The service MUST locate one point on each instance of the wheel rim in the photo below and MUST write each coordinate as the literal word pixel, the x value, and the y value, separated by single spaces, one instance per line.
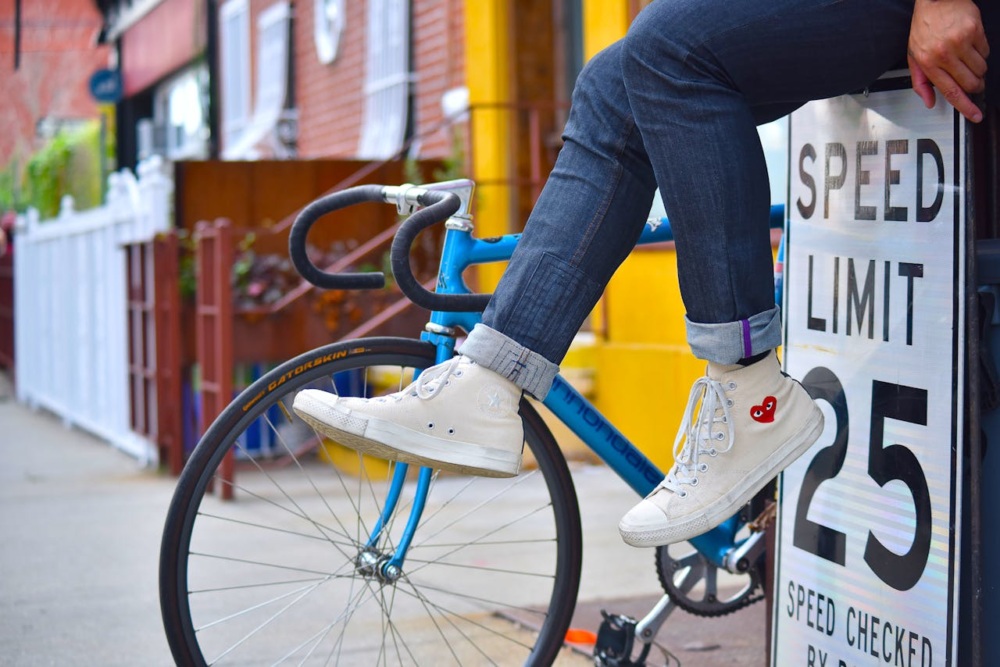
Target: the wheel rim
pixel 284 574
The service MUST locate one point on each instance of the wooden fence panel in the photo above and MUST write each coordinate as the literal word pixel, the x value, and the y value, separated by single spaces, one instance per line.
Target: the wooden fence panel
pixel 214 330
pixel 155 346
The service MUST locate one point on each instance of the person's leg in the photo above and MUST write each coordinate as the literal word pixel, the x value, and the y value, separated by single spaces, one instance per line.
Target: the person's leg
pixel 700 75
pixel 586 221
pixel 670 64
pixel 695 78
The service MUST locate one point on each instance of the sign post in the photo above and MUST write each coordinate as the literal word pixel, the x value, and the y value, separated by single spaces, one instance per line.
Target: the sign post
pixel 868 536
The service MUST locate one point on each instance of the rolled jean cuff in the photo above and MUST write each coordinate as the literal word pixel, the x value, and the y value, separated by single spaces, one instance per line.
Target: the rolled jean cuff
pixel 528 370
pixel 729 342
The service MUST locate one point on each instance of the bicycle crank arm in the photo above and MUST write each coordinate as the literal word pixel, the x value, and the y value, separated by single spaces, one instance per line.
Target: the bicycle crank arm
pixel 649 626
pixel 742 558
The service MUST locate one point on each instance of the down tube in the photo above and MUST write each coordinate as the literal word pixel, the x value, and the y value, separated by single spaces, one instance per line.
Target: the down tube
pixel 620 455
pixel 605 440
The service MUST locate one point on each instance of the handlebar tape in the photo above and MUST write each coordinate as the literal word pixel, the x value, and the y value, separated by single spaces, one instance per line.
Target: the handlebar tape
pixel 438 207
pixel 307 218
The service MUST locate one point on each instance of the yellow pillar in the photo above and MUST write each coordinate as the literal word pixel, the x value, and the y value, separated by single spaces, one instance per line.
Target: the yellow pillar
pixel 604 23
pixel 487 58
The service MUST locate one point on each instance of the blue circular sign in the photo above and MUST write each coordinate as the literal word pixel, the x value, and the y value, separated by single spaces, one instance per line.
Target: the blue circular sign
pixel 106 85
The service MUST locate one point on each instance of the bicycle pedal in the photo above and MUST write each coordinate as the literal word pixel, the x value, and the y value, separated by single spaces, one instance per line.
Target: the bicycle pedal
pixel 615 639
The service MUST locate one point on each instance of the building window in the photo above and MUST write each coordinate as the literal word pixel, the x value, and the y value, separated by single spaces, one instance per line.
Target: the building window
pixel 234 49
pixel 179 113
pixel 329 17
pixel 387 79
pixel 271 126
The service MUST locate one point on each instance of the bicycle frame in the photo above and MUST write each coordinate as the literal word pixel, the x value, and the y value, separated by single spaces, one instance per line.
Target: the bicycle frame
pixel 460 251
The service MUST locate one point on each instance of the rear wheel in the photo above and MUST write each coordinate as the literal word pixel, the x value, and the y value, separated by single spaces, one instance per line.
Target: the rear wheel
pixel 284 573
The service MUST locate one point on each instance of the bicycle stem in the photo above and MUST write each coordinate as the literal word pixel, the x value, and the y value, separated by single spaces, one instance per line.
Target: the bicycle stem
pixel 406 196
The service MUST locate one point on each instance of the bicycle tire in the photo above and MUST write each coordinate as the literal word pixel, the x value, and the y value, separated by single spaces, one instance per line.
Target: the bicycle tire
pixel 214 553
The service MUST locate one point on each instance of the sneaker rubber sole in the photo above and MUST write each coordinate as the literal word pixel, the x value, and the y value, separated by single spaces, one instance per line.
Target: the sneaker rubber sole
pixel 727 505
pixel 368 435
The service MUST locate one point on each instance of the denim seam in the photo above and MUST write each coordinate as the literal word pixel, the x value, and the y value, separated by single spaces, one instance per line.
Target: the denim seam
pixel 602 211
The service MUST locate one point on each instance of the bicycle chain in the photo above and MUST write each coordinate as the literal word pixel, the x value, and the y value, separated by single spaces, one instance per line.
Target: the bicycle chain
pixel 666 565
pixel 764 519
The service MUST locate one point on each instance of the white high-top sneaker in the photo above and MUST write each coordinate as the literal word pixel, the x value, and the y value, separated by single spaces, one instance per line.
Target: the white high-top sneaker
pixel 742 426
pixel 457 416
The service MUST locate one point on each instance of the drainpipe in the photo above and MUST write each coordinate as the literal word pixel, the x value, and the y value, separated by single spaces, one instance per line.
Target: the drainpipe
pixel 212 57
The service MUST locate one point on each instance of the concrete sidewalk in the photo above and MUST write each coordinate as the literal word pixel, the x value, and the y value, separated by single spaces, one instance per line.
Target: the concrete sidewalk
pixel 81 522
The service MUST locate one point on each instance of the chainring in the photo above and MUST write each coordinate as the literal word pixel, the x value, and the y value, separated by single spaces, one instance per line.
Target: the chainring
pixel 681 576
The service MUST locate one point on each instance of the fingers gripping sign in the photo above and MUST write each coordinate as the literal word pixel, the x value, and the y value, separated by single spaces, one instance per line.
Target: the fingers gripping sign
pixel 948 50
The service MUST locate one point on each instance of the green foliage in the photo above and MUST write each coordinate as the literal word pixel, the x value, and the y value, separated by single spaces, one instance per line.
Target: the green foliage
pixel 453 165
pixel 10 189
pixel 411 172
pixel 70 164
pixel 187 265
pixel 245 259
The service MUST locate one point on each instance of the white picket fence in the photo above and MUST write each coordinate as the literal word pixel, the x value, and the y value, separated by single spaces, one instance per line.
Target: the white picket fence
pixel 71 308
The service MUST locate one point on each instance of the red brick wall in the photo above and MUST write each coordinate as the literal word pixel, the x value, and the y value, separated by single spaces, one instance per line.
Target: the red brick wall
pixel 439 64
pixel 330 97
pixel 58 56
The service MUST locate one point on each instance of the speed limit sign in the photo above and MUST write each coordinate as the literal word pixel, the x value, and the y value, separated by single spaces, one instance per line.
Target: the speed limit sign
pixel 868 543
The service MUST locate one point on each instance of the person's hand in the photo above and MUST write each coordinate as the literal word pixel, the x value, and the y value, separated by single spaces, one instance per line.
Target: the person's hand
pixel 947 51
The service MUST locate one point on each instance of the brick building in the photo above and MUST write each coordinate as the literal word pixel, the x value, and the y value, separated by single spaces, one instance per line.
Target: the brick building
pixel 331 96
pixel 48 55
pixel 250 79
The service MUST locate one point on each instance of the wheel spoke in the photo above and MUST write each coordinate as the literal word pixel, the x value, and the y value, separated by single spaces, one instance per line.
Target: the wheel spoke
pixel 288 573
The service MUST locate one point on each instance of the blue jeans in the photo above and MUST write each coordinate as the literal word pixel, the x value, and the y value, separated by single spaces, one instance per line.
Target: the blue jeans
pixel 675 104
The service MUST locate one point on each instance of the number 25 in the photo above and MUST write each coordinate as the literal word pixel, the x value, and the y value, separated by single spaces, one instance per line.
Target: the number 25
pixel 888 401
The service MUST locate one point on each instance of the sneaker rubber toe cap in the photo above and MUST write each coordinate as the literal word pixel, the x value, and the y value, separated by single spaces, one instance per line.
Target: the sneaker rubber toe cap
pixel 643 517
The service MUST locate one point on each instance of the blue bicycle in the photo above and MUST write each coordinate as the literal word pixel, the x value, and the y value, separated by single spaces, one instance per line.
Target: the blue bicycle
pixel 336 558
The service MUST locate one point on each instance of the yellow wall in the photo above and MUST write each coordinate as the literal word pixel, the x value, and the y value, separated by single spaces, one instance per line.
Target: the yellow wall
pixel 488 80
pixel 644 366
pixel 604 22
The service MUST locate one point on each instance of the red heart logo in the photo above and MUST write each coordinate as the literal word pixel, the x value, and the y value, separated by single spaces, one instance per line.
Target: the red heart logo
pixel 764 413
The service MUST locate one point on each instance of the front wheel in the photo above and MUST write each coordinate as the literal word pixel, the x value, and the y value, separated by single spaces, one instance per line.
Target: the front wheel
pixel 283 572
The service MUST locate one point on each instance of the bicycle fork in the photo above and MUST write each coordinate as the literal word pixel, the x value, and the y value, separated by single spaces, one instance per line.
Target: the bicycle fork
pixel 372 562
pixel 387 565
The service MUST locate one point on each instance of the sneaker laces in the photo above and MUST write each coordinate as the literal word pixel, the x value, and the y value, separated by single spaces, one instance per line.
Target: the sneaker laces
pixel 431 381
pixel 699 435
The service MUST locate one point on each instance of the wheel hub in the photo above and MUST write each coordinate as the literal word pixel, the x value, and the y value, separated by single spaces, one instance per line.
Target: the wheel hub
pixel 372 564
